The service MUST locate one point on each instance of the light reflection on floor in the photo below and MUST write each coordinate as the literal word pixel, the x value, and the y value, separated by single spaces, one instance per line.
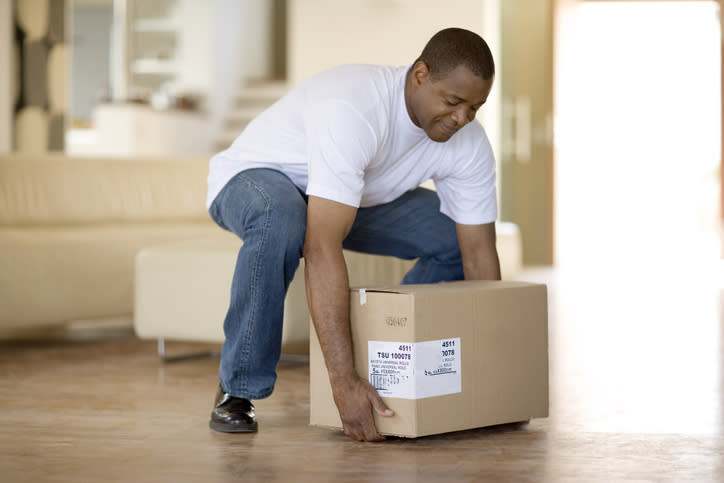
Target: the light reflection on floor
pixel 634 354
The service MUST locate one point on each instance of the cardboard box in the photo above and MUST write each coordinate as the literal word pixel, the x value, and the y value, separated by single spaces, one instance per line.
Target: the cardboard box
pixel 445 357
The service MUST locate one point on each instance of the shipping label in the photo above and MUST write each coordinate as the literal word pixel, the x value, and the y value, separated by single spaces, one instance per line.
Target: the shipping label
pixel 415 370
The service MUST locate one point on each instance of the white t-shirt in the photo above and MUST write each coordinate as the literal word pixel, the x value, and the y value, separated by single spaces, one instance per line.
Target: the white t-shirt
pixel 345 135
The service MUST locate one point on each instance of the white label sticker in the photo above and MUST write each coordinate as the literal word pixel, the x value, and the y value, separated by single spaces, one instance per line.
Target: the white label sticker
pixel 391 368
pixel 415 370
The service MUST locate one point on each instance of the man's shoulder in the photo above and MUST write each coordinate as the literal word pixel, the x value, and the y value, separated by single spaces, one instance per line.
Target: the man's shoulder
pixel 362 70
pixel 354 81
pixel 371 91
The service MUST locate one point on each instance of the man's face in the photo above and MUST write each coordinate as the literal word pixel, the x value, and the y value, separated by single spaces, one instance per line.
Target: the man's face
pixel 443 106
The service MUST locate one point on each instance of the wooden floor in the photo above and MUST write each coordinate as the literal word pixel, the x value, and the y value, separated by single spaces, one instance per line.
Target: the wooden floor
pixel 636 394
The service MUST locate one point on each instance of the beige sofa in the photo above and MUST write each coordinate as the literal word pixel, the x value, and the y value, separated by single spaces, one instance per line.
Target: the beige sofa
pixel 91 238
pixel 70 229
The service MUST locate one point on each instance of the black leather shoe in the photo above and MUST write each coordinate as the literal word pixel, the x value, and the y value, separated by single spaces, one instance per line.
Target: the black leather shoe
pixel 232 414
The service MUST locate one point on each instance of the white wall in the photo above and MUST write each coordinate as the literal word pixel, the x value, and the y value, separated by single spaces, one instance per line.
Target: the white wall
pixel 324 33
pixel 6 74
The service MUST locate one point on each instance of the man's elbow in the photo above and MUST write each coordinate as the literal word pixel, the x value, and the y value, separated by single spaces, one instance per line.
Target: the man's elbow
pixel 315 251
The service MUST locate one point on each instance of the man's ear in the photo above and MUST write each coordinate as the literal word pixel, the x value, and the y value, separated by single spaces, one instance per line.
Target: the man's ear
pixel 420 72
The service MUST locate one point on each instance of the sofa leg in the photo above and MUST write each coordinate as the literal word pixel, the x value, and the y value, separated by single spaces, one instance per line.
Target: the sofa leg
pixel 161 347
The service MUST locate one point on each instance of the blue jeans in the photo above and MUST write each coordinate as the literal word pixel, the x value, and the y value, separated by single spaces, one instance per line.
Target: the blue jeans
pixel 268 212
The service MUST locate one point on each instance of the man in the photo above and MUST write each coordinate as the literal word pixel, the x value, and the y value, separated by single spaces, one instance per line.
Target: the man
pixel 335 164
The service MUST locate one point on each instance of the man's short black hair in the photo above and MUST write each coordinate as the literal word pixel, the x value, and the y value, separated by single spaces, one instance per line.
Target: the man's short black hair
pixel 452 47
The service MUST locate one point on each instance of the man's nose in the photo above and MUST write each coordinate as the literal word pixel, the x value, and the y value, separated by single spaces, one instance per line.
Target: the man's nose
pixel 463 115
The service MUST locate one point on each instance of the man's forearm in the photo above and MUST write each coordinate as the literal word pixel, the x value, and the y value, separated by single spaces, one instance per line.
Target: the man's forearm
pixel 327 287
pixel 483 267
pixel 479 251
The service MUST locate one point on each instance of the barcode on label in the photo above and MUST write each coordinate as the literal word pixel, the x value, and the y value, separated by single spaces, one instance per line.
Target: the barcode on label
pixel 382 382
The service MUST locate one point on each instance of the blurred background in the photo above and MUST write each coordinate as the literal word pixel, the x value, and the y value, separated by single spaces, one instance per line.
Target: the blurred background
pixel 605 116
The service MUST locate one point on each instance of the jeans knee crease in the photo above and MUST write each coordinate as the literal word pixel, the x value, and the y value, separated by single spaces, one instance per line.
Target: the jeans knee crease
pixel 255 277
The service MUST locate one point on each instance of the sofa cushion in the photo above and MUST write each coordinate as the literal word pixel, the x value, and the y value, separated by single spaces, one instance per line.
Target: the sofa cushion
pixel 54 189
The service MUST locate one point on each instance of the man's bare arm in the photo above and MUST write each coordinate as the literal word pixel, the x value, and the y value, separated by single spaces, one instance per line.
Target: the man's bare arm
pixel 480 255
pixel 327 283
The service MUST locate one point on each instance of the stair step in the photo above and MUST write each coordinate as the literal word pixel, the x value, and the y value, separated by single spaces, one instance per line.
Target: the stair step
pixel 266 88
pixel 261 94
pixel 249 102
pixel 244 114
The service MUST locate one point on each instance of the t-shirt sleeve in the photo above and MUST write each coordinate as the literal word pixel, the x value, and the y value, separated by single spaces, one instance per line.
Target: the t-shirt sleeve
pixel 341 144
pixel 467 192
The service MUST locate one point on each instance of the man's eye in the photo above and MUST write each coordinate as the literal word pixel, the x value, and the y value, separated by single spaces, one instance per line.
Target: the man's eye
pixel 451 103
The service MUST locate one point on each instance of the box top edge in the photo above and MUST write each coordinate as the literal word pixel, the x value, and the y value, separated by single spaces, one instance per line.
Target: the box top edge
pixel 457 285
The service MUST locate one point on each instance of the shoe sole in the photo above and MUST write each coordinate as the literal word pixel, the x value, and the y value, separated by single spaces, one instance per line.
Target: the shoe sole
pixel 225 428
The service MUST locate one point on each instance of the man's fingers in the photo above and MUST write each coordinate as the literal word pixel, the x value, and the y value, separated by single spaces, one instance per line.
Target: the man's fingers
pixel 363 432
pixel 352 434
pixel 379 406
pixel 370 430
pixel 363 428
pixel 356 405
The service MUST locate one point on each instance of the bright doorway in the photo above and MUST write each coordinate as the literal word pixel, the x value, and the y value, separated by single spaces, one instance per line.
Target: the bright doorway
pixel 638 271
pixel 638 133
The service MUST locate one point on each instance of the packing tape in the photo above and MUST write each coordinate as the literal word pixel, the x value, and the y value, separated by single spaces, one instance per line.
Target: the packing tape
pixel 362 296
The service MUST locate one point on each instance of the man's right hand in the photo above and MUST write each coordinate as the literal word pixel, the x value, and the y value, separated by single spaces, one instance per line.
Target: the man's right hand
pixel 355 400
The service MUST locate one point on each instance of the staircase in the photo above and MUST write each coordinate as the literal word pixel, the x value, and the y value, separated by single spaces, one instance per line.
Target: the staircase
pixel 249 102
